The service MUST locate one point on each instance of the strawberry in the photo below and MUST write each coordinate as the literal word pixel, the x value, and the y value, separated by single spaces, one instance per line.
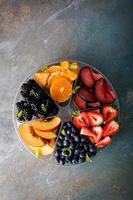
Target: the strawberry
pixel 81 120
pixel 98 132
pixel 111 128
pixel 87 95
pixel 96 75
pixel 86 77
pixel 104 142
pixel 95 118
pixel 86 131
pixel 79 101
pixel 104 92
pixel 109 113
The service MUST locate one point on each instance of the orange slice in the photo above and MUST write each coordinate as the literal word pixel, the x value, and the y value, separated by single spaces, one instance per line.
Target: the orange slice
pixel 71 75
pixel 55 75
pixel 64 64
pixel 42 77
pixel 61 89
pixel 54 68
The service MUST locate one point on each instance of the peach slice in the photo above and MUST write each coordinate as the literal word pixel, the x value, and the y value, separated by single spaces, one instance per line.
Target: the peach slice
pixel 42 78
pixel 46 135
pixel 28 135
pixel 46 126
pixel 52 143
pixel 45 150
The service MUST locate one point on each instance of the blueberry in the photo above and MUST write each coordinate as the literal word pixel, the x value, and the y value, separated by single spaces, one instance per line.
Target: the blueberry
pixel 62 161
pixel 86 146
pixel 64 126
pixel 92 151
pixel 82 154
pixel 65 153
pixel 71 140
pixel 73 130
pixel 81 160
pixel 57 153
pixel 72 146
pixel 59 143
pixel 77 151
pixel 69 124
pixel 67 137
pixel 84 139
pixel 76 138
pixel 75 160
pixel 68 132
pixel 65 143
pixel 61 137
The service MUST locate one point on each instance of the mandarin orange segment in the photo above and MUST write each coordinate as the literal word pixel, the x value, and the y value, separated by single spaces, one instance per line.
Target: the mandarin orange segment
pixel 71 75
pixel 61 89
pixel 74 67
pixel 64 64
pixel 54 68
pixel 55 75
pixel 42 78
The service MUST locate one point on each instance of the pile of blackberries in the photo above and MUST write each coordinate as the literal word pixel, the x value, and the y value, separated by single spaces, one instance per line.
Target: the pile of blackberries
pixel 36 103
pixel 73 147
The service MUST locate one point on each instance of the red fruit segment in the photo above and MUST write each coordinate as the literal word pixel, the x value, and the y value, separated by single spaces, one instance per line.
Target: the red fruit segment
pixel 111 128
pixel 104 142
pixel 96 75
pixel 98 132
pixel 95 104
pixel 104 92
pixel 87 95
pixel 79 101
pixel 86 77
pixel 86 131
pixel 81 120
pixel 95 118
pixel 109 113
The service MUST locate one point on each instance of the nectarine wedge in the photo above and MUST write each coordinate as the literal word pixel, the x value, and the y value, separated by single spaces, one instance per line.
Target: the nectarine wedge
pixel 46 126
pixel 28 135
pixel 46 135
pixel 45 150
pixel 42 78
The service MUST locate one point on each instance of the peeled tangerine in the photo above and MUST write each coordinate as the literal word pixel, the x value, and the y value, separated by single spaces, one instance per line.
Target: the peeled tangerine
pixel 42 78
pixel 61 89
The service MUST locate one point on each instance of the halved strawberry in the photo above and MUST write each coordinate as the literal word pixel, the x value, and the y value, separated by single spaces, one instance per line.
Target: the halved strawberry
pixel 86 131
pixel 96 75
pixel 104 92
pixel 109 113
pixel 87 95
pixel 79 101
pixel 111 128
pixel 86 77
pixel 95 118
pixel 104 142
pixel 81 120
pixel 98 132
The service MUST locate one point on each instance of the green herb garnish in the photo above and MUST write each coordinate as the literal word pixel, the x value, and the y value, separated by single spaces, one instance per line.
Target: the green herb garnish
pixel 73 66
pixel 20 113
pixel 75 113
pixel 32 93
pixel 38 154
pixel 63 132
pixel 75 89
pixel 44 107
pixel 87 158
pixel 67 149
pixel 44 68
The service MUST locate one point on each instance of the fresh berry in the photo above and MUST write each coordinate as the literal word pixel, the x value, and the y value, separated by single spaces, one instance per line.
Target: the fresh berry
pixel 95 118
pixel 87 95
pixel 109 113
pixel 88 132
pixel 104 142
pixel 104 92
pixel 86 77
pixel 81 120
pixel 111 128
pixel 27 114
pixel 98 132
pixel 80 103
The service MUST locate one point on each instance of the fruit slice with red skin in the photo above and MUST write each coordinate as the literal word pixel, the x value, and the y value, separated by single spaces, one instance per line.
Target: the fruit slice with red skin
pixel 98 132
pixel 81 120
pixel 87 95
pixel 104 92
pixel 95 104
pixel 79 101
pixel 104 142
pixel 95 118
pixel 96 75
pixel 86 77
pixel 111 128
pixel 86 131
pixel 109 113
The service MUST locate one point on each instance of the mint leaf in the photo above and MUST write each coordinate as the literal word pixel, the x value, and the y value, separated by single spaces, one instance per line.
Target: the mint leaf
pixel 32 93
pixel 63 132
pixel 38 154
pixel 76 89
pixel 87 158
pixel 44 108
pixel 67 149
pixel 20 113
pixel 75 113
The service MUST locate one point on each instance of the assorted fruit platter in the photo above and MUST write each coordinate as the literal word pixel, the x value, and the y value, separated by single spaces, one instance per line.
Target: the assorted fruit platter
pixel 66 112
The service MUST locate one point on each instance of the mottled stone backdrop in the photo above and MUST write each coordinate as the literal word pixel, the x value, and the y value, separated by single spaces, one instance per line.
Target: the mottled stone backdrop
pixel 33 32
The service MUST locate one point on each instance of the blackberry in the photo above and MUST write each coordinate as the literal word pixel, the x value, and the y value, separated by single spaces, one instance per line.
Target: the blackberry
pixel 32 84
pixel 25 90
pixel 22 105
pixel 27 114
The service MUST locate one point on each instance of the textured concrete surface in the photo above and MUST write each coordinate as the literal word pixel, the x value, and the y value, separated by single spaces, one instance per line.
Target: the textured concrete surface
pixel 35 32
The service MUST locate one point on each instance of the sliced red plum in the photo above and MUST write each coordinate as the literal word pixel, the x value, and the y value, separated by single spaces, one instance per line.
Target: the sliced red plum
pixel 86 77
pixel 87 94
pixel 79 101
pixel 96 75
